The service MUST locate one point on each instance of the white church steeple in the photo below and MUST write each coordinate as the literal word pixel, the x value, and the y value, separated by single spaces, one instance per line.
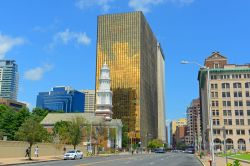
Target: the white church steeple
pixel 104 94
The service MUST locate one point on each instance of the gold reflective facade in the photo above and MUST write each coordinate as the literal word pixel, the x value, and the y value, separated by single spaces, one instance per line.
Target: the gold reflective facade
pixel 126 43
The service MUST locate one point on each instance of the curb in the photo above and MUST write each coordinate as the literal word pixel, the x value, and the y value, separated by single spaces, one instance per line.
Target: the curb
pixel 244 161
pixel 200 160
pixel 32 162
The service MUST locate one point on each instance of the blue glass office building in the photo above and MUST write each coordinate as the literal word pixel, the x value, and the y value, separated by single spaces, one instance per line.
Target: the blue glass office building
pixel 61 98
pixel 8 79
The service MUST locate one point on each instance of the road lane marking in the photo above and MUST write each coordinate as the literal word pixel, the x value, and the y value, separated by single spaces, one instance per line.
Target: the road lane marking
pixel 99 162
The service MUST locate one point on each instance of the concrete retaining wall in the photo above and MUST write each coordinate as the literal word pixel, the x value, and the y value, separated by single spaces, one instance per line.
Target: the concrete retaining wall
pixel 12 149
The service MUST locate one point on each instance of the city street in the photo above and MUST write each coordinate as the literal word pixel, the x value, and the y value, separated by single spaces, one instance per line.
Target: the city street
pixel 173 159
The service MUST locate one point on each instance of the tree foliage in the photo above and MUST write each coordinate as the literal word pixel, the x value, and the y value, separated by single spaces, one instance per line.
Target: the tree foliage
pixel 125 138
pixel 32 131
pixel 11 120
pixel 155 143
pixel 70 132
pixel 39 113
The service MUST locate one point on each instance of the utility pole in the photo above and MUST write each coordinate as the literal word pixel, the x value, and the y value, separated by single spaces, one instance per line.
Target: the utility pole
pixel 224 137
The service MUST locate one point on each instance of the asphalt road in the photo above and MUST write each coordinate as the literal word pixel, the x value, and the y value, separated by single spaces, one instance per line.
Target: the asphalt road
pixel 171 159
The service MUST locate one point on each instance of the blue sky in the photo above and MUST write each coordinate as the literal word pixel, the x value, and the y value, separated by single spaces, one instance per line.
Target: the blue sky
pixel 54 42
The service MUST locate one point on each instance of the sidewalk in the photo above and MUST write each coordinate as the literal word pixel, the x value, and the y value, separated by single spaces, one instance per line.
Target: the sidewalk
pixel 23 160
pixel 220 161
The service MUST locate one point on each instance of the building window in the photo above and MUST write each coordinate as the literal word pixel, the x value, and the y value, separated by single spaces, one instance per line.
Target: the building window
pixel 237 94
pixel 215 112
pixel 248 121
pixel 214 86
pixel 229 132
pixel 247 94
pixel 228 122
pixel 227 112
pixel 213 77
pixel 239 121
pixel 237 85
pixel 225 94
pixel 246 75
pixel 226 103
pixel 239 113
pixel 240 132
pixel 238 103
pixel 215 103
pixel 225 85
pixel 216 65
pixel 216 122
pixel 214 94
pixel 248 102
pixel 216 131
pixel 248 112
pixel 236 76
pixel 247 85
pixel 225 76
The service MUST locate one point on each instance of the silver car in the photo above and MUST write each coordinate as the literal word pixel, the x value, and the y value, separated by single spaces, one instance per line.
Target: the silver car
pixel 73 154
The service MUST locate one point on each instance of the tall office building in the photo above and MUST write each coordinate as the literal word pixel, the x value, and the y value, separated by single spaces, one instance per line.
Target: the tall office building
pixel 194 124
pixel 89 105
pixel 61 98
pixel 229 103
pixel 161 93
pixel 173 126
pixel 8 79
pixel 128 46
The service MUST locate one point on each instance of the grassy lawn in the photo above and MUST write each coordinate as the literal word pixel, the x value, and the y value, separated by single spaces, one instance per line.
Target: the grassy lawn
pixel 237 156
pixel 241 156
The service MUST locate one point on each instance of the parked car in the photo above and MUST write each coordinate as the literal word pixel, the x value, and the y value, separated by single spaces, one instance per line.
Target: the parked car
pixel 73 154
pixel 190 151
pixel 160 150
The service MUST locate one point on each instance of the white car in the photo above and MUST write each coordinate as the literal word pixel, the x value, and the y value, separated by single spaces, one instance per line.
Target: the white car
pixel 73 154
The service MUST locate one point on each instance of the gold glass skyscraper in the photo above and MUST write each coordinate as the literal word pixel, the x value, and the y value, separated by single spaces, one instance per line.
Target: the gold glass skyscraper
pixel 126 43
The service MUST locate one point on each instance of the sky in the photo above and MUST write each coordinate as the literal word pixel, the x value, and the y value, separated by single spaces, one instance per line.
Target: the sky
pixel 54 42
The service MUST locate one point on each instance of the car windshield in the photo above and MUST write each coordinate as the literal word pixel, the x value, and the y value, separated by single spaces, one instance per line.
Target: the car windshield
pixel 72 151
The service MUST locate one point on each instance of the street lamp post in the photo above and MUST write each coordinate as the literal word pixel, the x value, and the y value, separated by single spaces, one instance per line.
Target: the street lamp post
pixel 209 107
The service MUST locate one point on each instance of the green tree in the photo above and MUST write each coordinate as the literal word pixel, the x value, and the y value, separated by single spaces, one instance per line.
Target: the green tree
pixel 76 131
pixel 1 134
pixel 32 132
pixel 61 129
pixel 70 132
pixel 181 146
pixel 125 138
pixel 39 113
pixel 11 120
pixel 155 143
pixel 8 123
pixel 21 116
pixel 112 136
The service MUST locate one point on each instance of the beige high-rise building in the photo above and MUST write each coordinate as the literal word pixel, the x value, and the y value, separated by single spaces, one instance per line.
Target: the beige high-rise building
pixel 89 105
pixel 161 94
pixel 193 136
pixel 173 125
pixel 230 103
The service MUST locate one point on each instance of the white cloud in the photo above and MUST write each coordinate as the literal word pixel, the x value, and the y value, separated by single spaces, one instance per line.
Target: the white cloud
pixel 146 5
pixel 68 36
pixel 7 43
pixel 37 73
pixel 143 5
pixel 85 4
